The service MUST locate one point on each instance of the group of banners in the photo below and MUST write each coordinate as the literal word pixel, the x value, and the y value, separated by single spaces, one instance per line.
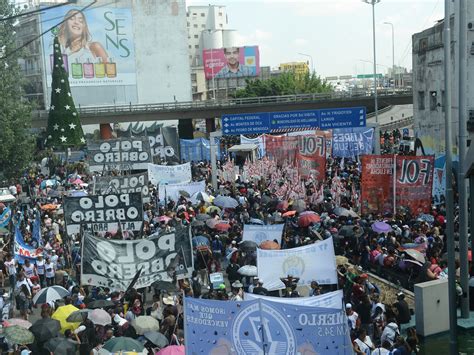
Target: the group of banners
pixel 391 181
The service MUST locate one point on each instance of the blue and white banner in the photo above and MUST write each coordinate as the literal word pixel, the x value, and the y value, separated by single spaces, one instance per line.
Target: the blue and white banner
pixel 171 191
pixel 326 300
pixel 264 327
pixel 314 262
pixel 22 250
pixel 5 217
pixel 351 142
pixel 259 233
pixel 259 141
pixel 197 149
pixel 169 174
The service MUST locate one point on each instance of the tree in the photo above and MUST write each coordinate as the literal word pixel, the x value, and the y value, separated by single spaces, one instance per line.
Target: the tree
pixel 287 83
pixel 16 141
pixel 64 127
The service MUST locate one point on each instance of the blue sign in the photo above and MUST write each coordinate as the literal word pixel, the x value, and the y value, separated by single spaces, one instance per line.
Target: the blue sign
pixel 351 142
pixel 198 149
pixel 246 123
pixel 264 327
pixel 266 122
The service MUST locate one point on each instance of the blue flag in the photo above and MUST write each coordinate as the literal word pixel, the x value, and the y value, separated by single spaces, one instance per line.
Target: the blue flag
pixel 197 149
pixel 264 327
pixel 5 217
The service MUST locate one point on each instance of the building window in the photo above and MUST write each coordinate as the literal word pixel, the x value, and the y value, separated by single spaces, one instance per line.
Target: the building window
pixel 220 13
pixel 203 26
pixel 189 24
pixel 195 25
pixel 194 13
pixel 421 100
pixel 203 14
pixel 198 57
pixel 221 25
pixel 190 46
pixel 196 46
pixel 433 100
pixel 196 36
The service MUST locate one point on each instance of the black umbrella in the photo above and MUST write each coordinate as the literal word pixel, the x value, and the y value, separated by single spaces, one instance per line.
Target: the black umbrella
pixel 248 245
pixel 164 286
pixel 45 328
pixel 157 338
pixel 60 346
pixel 100 304
pixel 347 231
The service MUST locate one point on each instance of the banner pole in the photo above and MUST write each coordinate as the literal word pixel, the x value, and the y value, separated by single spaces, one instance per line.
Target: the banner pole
pixel 394 184
pixel 262 325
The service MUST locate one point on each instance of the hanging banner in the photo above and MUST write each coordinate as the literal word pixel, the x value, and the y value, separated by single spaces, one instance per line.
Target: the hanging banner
pixel 414 182
pixel 352 142
pixel 258 233
pixel 281 148
pixel 264 327
pixel 164 144
pixel 314 262
pixel 171 192
pixel 119 154
pixel 377 184
pixel 114 263
pixel 104 213
pixel 198 149
pixel 311 155
pixel 5 217
pixel 105 185
pixel 169 174
pixel 22 250
pixel 326 300
pixel 258 141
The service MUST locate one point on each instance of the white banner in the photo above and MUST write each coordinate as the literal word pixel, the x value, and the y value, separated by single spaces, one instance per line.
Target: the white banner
pixel 259 141
pixel 327 300
pixel 259 233
pixel 315 262
pixel 171 192
pixel 169 174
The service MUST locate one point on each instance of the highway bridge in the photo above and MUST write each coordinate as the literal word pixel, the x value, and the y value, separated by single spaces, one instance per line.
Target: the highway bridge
pixel 217 108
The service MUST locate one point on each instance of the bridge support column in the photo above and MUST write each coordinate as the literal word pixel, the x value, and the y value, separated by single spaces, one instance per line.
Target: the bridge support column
pixel 185 129
pixel 210 125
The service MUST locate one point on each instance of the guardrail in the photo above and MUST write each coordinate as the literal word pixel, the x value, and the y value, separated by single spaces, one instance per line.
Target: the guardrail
pixel 398 124
pixel 196 105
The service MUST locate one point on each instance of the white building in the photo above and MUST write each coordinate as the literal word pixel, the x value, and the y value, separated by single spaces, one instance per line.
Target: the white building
pixel 428 83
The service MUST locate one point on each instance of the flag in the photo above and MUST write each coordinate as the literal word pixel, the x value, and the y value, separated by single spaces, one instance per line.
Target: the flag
pixel 64 127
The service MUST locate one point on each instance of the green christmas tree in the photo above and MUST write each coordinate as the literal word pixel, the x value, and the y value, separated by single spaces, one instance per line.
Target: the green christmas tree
pixel 64 125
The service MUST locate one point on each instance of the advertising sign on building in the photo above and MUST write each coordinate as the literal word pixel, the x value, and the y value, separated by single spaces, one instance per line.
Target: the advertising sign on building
pixel 231 62
pixel 104 213
pixel 97 45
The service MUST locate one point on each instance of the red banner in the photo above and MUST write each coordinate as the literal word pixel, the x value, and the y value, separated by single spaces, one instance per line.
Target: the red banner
pixel 377 183
pixel 311 156
pixel 281 148
pixel 414 183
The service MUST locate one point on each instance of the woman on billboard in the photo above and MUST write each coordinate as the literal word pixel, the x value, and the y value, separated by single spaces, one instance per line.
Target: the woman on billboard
pixel 75 38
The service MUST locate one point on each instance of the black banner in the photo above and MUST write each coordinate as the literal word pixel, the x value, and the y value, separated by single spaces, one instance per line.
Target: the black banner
pixel 120 154
pixel 104 213
pixel 164 144
pixel 123 184
pixel 114 263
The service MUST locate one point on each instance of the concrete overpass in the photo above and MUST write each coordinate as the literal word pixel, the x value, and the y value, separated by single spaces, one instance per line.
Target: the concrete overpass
pixel 216 108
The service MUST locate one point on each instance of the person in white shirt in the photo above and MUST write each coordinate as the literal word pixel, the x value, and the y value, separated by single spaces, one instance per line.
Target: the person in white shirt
pixel 10 267
pixel 28 269
pixel 383 349
pixel 390 332
pixel 352 316
pixel 50 272
pixel 40 270
pixel 363 343
pixel 54 258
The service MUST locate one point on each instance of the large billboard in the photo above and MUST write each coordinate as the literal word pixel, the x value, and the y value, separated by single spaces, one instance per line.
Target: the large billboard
pixel 231 62
pixel 97 45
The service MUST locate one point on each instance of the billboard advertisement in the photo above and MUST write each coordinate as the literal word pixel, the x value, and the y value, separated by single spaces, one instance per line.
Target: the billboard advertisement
pixel 231 62
pixel 97 45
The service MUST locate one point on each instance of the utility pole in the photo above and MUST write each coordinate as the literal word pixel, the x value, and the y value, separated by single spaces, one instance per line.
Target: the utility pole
pixel 449 233
pixel 393 53
pixel 462 139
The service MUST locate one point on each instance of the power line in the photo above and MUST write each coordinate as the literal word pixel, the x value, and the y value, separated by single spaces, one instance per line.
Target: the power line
pixel 7 55
pixel 36 11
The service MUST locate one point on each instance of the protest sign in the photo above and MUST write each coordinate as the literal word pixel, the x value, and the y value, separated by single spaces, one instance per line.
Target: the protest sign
pixel 352 142
pixel 104 213
pixel 169 174
pixel 104 185
pixel 22 250
pixel 114 263
pixel 171 192
pixel 311 155
pixel 281 148
pixel 259 233
pixel 326 300
pixel 164 144
pixel 197 149
pixel 413 183
pixel 264 327
pixel 377 184
pixel 119 154
pixel 314 262
pixel 258 141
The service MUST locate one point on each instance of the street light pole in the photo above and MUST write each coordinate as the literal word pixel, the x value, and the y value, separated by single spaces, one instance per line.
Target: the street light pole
pixel 311 60
pixel 376 108
pixel 393 52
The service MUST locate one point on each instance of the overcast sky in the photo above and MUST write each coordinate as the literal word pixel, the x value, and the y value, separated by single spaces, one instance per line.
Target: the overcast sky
pixel 336 33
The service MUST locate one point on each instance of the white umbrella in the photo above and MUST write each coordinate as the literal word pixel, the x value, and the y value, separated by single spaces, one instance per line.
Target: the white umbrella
pixel 49 294
pixel 201 196
pixel 100 317
pixel 225 202
pixel 248 270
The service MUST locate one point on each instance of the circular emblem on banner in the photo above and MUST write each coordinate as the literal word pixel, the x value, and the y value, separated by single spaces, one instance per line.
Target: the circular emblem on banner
pixel 248 335
pixel 294 266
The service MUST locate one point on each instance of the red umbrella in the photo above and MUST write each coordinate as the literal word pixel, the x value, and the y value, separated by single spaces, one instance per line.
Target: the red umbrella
pixel 282 206
pixel 222 227
pixel 289 214
pixel 307 219
pixel 269 245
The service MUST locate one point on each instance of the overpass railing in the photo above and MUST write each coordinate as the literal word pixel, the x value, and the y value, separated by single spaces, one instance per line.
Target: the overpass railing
pixel 221 103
